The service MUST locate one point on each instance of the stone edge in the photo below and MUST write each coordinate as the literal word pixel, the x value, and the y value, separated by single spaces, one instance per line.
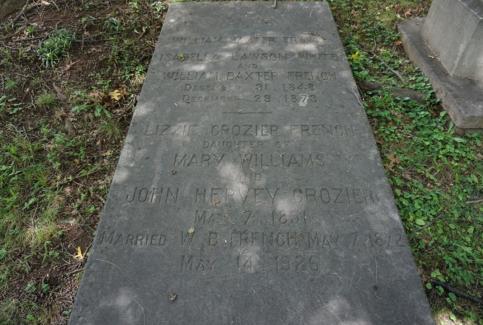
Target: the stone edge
pixel 461 98
pixel 475 8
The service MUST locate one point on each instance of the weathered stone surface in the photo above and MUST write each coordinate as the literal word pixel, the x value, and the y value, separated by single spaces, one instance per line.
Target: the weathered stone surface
pixel 462 98
pixel 454 32
pixel 250 189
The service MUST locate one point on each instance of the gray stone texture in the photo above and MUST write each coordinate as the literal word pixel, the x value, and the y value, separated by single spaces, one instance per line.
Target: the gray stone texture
pixel 453 30
pixel 250 189
pixel 462 98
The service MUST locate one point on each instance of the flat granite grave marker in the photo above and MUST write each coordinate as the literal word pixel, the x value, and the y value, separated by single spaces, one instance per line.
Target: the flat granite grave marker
pixel 250 188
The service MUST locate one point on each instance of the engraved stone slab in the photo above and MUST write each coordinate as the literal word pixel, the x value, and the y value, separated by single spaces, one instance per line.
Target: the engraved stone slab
pixel 250 189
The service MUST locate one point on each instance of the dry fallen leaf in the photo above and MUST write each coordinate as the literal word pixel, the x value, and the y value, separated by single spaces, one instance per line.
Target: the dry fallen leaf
pixel 79 255
pixel 117 94
pixel 393 161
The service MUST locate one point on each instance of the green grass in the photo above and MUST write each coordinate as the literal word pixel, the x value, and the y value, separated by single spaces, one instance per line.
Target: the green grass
pixel 55 47
pixel 436 175
pixel 67 92
pixel 46 100
pixel 66 100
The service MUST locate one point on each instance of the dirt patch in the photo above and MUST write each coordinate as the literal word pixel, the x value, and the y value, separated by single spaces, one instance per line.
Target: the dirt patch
pixel 8 7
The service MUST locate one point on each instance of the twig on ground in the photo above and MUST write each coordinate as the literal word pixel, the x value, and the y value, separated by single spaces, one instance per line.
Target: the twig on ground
pixel 90 40
pixel 392 70
pixel 18 31
pixel 8 46
pixel 457 292
pixel 23 11
pixel 28 39
pixel 398 92
pixel 396 73
pixel 474 201
pixel 55 4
